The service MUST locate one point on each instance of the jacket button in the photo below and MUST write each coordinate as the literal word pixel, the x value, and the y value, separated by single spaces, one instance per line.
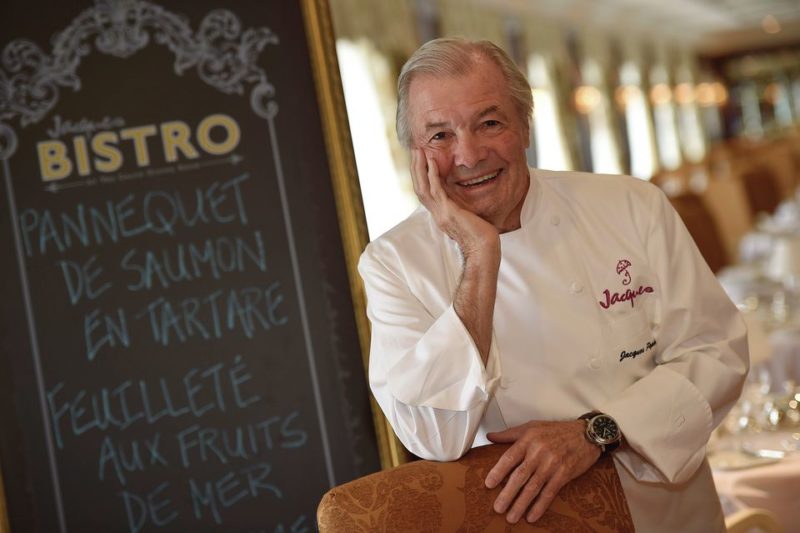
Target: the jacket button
pixel 594 363
pixel 575 288
pixel 555 220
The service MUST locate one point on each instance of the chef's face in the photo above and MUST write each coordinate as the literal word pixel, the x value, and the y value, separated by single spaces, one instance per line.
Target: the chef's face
pixel 469 126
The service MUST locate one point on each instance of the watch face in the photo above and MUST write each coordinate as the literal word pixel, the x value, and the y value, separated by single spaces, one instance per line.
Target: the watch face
pixel 605 428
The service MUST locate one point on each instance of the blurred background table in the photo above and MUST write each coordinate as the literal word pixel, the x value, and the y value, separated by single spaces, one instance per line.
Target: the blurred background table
pixel 760 473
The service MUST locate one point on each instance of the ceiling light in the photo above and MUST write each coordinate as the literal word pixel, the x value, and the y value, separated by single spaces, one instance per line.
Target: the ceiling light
pixel 625 94
pixel 684 93
pixel 770 24
pixel 720 93
pixel 661 94
pixel 587 98
pixel 704 93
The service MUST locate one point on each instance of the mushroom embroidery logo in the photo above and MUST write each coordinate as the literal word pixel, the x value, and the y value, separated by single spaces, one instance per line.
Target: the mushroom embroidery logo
pixel 627 295
pixel 622 268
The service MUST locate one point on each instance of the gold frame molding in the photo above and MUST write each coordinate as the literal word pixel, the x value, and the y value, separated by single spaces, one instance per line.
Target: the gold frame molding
pixel 352 223
pixel 4 527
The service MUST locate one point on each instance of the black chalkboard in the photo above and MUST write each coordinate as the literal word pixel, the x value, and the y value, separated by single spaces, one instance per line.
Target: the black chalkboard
pixel 179 346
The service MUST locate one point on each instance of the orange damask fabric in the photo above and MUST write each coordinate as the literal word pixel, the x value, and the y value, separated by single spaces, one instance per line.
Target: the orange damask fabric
pixel 426 496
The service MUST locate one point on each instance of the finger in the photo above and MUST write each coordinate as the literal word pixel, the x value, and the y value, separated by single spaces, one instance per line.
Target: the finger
pixel 516 481
pixel 433 173
pixel 506 436
pixel 546 496
pixel 435 181
pixel 507 462
pixel 525 497
pixel 419 172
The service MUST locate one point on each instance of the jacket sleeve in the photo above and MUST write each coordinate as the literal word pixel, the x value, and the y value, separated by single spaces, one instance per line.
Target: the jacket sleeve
pixel 668 415
pixel 425 370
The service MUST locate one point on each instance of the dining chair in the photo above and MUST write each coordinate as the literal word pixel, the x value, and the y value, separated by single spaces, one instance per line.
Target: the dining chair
pixel 762 189
pixel 702 227
pixel 451 496
pixel 753 520
pixel 728 204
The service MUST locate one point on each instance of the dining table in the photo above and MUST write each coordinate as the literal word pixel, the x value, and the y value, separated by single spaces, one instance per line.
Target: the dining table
pixel 762 471
pixel 755 453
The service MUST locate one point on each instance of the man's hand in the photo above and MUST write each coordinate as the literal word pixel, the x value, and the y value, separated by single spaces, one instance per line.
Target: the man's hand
pixel 473 234
pixel 479 242
pixel 544 457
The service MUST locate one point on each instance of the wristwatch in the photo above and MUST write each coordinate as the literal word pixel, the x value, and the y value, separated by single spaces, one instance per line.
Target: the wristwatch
pixel 602 430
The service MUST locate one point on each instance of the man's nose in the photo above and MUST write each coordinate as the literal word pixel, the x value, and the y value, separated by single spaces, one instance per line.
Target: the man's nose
pixel 470 151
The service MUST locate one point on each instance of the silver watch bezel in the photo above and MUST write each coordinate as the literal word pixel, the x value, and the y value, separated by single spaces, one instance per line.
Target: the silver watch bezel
pixel 597 439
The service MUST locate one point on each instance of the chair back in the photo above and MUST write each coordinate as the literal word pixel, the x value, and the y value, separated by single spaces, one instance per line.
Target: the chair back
pixel 753 520
pixel 702 227
pixel 432 496
pixel 762 189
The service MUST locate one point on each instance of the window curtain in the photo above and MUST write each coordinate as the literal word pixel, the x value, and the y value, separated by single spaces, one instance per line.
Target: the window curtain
pixel 373 41
pixel 388 24
pixel 635 89
pixel 692 135
pixel 596 63
pixel 664 112
pixel 547 63
pixel 473 20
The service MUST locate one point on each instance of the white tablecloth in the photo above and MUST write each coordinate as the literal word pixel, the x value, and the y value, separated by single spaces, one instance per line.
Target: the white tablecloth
pixel 774 486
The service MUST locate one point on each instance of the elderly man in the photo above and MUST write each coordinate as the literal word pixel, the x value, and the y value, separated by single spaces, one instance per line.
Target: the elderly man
pixel 569 314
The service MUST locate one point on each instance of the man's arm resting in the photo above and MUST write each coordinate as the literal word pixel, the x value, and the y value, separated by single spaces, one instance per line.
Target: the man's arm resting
pixel 426 372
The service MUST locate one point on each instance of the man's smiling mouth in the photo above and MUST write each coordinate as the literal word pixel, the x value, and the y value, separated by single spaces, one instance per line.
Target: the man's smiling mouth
pixel 480 180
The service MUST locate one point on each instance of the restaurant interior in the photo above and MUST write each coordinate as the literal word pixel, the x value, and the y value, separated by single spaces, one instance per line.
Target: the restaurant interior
pixel 700 97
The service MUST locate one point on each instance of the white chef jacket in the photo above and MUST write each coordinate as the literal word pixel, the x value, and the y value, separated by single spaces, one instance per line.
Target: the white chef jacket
pixel 603 303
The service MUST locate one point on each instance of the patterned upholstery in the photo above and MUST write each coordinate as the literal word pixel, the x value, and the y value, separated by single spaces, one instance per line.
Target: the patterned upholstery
pixel 426 496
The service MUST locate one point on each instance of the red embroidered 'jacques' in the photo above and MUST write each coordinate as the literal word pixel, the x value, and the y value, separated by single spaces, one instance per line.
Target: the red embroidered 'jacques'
pixel 627 296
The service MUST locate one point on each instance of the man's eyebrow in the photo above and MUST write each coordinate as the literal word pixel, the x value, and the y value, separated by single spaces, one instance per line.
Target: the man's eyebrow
pixel 489 111
pixel 435 125
pixel 492 109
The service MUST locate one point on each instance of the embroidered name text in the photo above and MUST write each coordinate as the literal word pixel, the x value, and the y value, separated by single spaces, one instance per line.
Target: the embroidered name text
pixel 627 296
pixel 625 355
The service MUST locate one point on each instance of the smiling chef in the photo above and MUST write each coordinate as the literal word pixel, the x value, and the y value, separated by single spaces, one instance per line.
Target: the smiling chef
pixel 569 314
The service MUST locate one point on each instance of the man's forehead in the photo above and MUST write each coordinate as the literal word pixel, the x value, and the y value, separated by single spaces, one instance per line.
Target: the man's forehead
pixel 470 94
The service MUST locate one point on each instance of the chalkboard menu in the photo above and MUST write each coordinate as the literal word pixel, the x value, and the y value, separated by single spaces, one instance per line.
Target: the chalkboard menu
pixel 179 349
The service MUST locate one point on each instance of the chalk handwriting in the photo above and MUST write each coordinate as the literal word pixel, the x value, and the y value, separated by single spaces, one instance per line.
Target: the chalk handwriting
pixel 132 456
pixel 157 212
pixel 82 279
pixel 229 489
pixel 186 262
pixel 101 330
pixel 244 311
pixel 201 444
pixel 215 388
pixel 154 507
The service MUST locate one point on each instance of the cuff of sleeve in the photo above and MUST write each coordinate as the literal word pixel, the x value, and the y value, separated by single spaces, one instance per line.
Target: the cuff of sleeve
pixel 666 422
pixel 445 370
